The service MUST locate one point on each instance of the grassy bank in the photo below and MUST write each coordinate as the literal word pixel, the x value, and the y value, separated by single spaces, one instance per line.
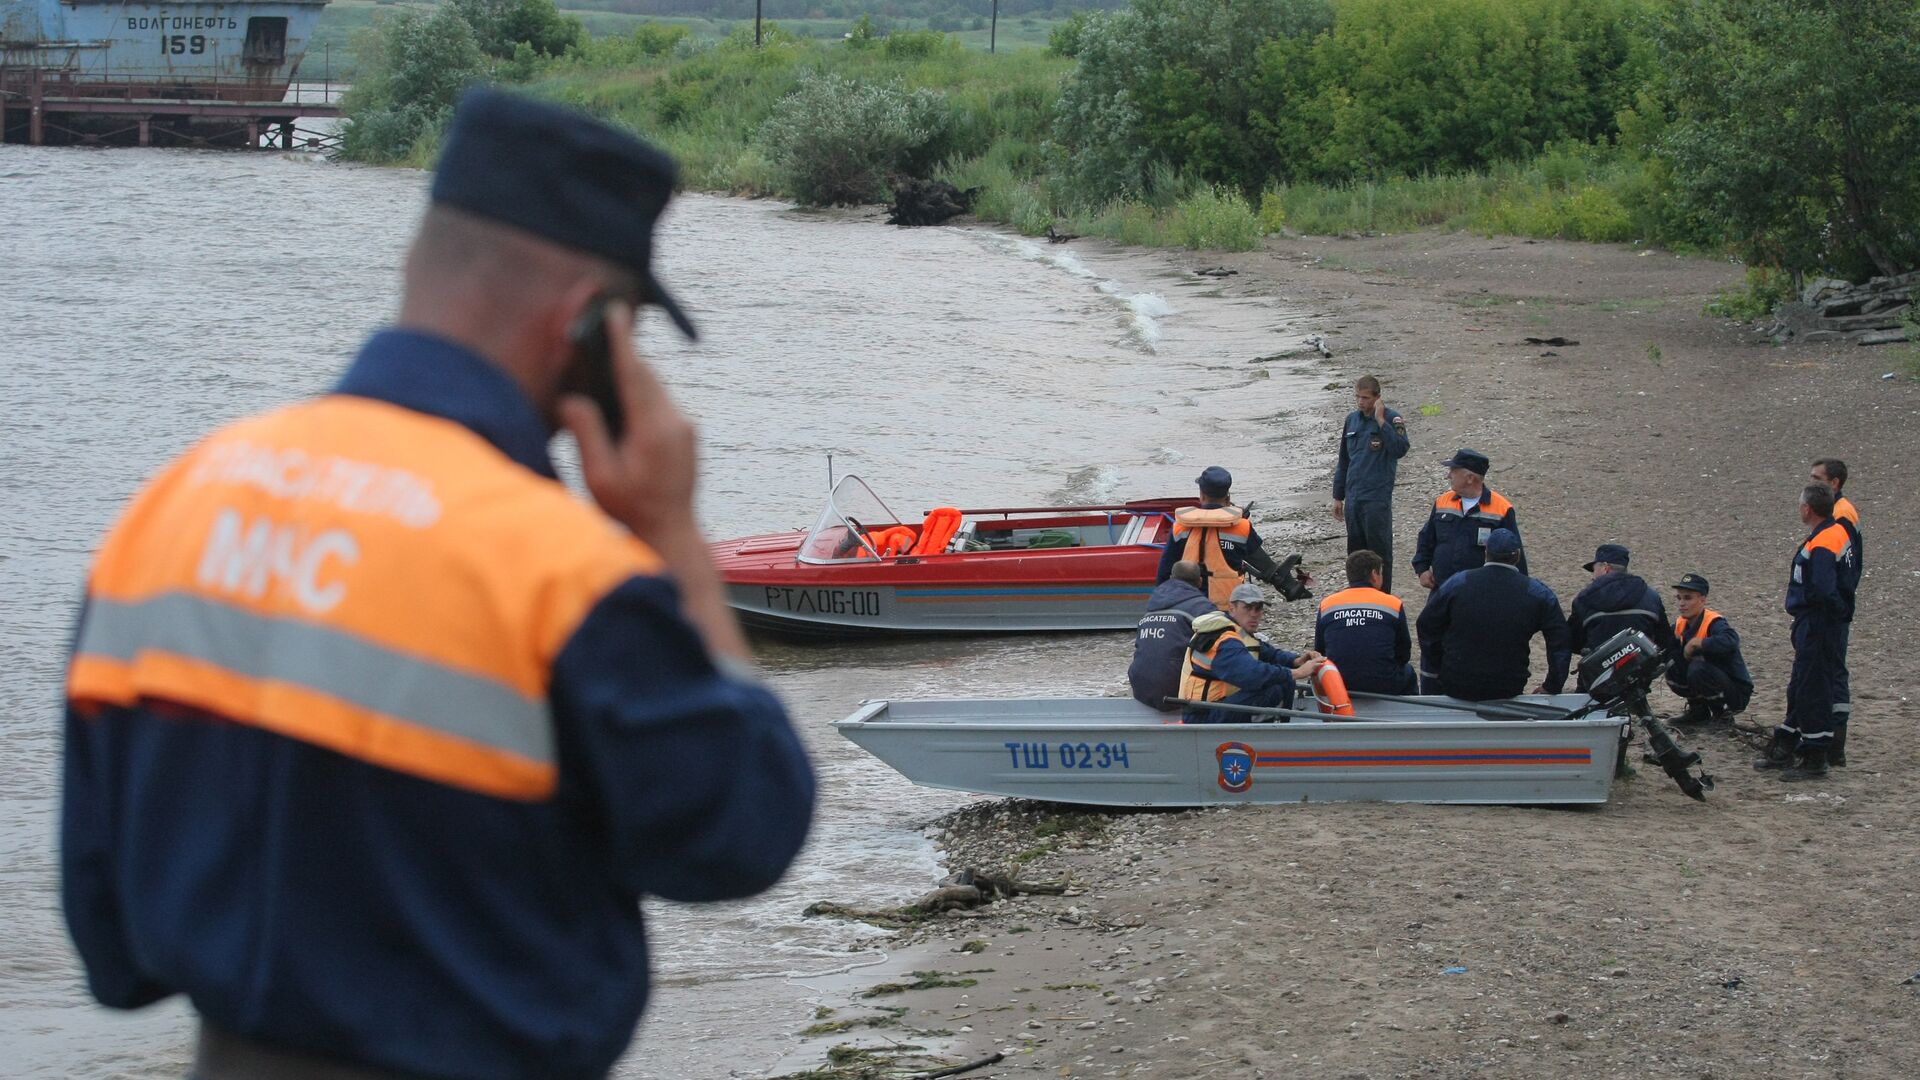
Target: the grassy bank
pixel 707 109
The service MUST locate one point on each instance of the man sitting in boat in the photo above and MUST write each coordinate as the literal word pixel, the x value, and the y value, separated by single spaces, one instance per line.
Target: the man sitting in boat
pixel 1476 634
pixel 1218 537
pixel 1164 631
pixel 1228 664
pixel 1363 631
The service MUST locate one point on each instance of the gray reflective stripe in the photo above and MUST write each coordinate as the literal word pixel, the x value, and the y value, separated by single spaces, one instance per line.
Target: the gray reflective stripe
pixel 1845 707
pixel 1184 616
pixel 1629 611
pixel 329 661
pixel 1381 608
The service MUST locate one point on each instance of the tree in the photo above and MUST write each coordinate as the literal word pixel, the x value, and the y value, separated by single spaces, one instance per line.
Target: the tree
pixel 1165 83
pixel 500 25
pixel 1795 126
pixel 413 66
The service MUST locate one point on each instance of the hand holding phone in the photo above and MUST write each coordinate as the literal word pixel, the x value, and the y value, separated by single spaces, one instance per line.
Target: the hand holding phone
pixel 592 370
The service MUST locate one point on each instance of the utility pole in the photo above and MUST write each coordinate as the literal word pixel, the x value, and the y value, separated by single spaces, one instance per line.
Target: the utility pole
pixel 756 23
pixel 993 34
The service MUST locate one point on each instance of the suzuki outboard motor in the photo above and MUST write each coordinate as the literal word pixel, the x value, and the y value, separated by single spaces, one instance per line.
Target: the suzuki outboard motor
pixel 1621 673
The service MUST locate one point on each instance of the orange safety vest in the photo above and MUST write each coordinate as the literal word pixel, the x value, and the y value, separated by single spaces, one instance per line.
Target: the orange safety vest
pixel 1204 529
pixel 1681 632
pixel 1196 672
pixel 1844 511
pixel 361 577
pixel 1490 510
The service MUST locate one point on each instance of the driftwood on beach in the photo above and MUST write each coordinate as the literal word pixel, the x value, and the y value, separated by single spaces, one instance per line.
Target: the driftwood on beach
pixel 961 891
pixel 1835 311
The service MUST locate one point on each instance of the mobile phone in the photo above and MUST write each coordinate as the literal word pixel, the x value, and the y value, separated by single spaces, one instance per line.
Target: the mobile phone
pixel 592 370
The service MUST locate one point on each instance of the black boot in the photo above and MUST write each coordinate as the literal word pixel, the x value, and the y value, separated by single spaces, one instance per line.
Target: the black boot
pixel 1837 750
pixel 1811 766
pixel 1779 751
pixel 1697 713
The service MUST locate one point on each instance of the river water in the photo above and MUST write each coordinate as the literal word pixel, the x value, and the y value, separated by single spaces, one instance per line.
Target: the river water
pixel 150 295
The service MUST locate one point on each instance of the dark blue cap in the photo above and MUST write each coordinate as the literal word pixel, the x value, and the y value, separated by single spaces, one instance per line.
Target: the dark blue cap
pixel 1472 460
pixel 562 176
pixel 1692 583
pixel 1215 480
pixel 1608 553
pixel 1503 542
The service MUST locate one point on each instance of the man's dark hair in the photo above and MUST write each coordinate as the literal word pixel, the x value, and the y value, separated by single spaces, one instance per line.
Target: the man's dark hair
pixel 1835 469
pixel 1819 499
pixel 1361 565
pixel 1368 383
pixel 1188 571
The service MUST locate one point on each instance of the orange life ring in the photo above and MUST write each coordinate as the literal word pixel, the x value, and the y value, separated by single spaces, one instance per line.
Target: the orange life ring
pixel 1331 689
pixel 937 531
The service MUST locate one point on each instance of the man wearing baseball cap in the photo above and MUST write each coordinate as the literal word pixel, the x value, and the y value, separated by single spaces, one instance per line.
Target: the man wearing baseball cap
pixel 1218 537
pixel 376 734
pixel 1228 664
pixel 1477 630
pixel 1463 517
pixel 1613 601
pixel 1710 675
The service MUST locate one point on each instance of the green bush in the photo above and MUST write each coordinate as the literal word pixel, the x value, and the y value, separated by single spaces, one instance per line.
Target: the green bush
pixel 917 45
pixel 413 65
pixel 1064 40
pixel 1216 219
pixel 836 141
pixel 1765 289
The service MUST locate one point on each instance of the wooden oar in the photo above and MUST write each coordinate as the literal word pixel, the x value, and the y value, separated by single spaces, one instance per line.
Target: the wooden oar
pixel 1511 710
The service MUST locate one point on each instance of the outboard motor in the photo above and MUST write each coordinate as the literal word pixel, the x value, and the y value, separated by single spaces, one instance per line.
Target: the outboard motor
pixel 1621 673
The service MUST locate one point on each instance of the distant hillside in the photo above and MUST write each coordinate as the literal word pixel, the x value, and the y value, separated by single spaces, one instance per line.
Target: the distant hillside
pixel 847 9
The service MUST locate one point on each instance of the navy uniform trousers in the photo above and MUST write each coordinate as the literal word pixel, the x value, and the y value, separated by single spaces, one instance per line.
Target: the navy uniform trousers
pixel 1819 658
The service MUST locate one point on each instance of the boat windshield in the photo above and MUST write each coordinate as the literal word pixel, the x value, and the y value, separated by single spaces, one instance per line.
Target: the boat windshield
pixel 840 535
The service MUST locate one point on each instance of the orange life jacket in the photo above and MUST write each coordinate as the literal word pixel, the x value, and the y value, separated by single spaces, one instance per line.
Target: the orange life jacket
pixel 357 576
pixel 1196 671
pixel 1203 529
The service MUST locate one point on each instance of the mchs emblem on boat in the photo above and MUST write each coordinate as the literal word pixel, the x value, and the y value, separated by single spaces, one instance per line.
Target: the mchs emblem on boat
pixel 1236 766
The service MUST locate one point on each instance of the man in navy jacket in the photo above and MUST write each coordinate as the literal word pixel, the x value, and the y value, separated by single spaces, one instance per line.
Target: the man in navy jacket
pixel 1372 442
pixel 1477 630
pixel 1161 641
pixel 1616 600
pixel 1709 673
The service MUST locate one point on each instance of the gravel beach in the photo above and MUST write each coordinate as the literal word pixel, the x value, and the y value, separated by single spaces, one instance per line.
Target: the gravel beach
pixel 1765 933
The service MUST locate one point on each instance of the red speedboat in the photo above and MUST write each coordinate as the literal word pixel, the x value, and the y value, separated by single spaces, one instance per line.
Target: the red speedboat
pixel 862 570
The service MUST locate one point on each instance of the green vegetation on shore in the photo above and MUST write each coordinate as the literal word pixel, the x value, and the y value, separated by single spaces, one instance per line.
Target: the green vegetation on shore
pixel 1209 124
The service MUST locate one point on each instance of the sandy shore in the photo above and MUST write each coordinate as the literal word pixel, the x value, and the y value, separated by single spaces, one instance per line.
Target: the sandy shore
pixel 1765 933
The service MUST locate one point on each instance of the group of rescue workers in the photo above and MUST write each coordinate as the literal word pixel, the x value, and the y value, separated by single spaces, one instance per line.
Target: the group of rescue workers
pixel 1197 650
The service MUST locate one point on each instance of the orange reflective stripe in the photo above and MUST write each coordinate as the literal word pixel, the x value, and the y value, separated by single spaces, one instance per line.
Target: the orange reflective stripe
pixel 312 718
pixel 1843 510
pixel 1491 504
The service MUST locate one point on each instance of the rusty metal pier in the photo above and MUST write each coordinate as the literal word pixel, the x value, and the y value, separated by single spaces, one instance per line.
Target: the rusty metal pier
pixel 40 106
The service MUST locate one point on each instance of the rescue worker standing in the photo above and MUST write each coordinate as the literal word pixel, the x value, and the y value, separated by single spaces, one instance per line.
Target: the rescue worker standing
pixel 1709 674
pixel 1477 630
pixel 1372 442
pixel 1160 644
pixel 376 735
pixel 1228 664
pixel 1363 630
pixel 1820 592
pixel 1218 537
pixel 1463 517
pixel 1613 601
pixel 1833 473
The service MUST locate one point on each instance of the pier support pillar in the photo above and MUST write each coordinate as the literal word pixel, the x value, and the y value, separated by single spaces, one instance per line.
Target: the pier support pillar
pixel 253 134
pixel 35 131
pixel 146 132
